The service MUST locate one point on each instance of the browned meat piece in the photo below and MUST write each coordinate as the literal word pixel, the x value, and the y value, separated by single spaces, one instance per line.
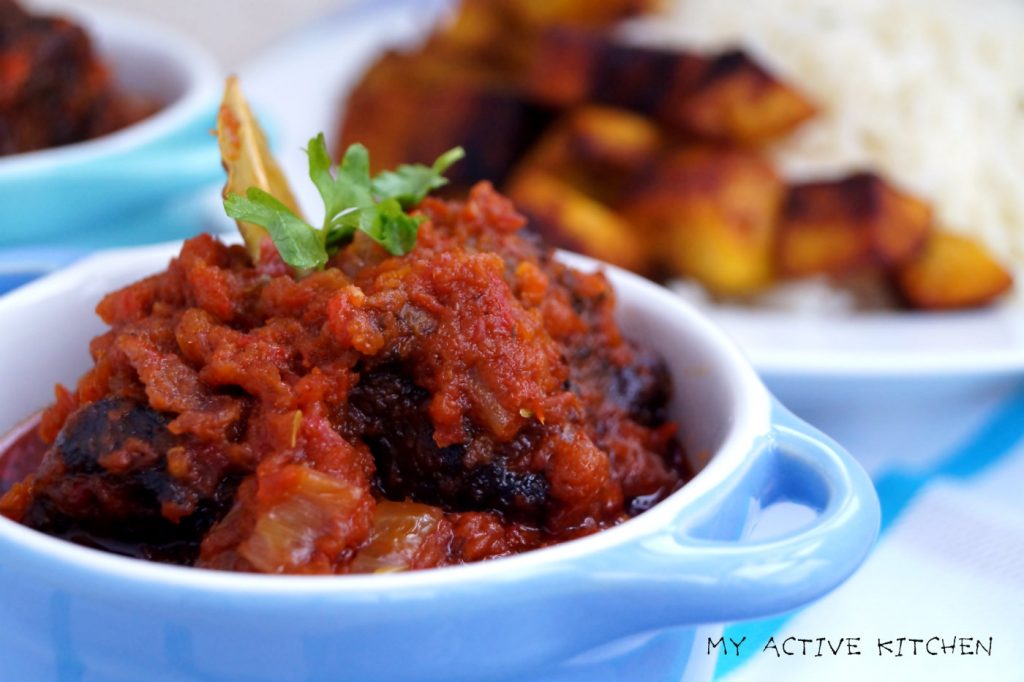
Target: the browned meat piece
pixel 397 427
pixel 105 481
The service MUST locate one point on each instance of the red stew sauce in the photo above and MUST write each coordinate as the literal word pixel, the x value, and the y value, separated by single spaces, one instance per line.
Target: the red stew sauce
pixel 472 399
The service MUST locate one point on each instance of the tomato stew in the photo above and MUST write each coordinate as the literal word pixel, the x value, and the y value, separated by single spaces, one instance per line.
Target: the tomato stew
pixel 472 399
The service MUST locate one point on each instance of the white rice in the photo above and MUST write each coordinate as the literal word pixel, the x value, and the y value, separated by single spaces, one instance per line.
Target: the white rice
pixel 928 92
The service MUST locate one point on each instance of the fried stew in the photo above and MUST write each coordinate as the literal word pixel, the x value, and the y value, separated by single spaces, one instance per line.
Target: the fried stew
pixel 471 399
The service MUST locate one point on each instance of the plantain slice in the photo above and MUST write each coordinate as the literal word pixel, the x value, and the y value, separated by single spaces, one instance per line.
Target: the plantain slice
pixel 248 161
pixel 952 272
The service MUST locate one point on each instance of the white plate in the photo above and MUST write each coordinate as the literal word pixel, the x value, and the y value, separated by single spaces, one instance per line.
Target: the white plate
pixel 299 88
pixel 908 344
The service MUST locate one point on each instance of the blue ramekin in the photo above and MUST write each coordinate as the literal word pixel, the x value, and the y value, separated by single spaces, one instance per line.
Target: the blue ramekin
pixel 634 602
pixel 95 193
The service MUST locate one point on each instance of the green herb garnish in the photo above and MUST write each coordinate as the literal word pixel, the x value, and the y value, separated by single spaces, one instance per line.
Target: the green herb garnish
pixel 352 201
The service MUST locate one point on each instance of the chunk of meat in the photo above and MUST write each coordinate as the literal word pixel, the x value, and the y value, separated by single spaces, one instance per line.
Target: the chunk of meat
pixel 393 415
pixel 105 481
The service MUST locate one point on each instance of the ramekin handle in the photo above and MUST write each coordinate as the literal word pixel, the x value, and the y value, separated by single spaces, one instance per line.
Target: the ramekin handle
pixel 682 576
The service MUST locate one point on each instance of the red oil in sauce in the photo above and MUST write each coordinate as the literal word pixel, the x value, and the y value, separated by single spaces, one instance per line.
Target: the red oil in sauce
pixel 21 450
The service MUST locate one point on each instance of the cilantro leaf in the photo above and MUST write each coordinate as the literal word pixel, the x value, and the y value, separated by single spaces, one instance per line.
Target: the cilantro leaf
pixel 393 228
pixel 350 189
pixel 411 182
pixel 298 243
pixel 352 201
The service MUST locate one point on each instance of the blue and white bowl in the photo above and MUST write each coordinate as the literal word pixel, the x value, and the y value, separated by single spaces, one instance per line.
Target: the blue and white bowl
pixel 635 602
pixel 97 192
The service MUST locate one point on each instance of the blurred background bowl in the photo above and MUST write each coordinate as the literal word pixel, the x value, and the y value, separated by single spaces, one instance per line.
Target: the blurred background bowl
pixel 115 189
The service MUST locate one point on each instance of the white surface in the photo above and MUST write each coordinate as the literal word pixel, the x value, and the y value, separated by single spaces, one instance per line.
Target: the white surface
pixel 906 344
